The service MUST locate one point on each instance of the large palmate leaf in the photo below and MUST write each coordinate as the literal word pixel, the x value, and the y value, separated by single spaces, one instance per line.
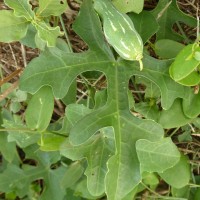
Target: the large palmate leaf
pixel 97 150
pixel 167 14
pixel 59 72
pixel 51 7
pixel 16 27
pixel 19 178
pixel 21 8
pixel 121 171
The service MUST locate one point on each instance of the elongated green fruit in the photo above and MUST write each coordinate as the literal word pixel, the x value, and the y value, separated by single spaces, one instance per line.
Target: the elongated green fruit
pixel 120 31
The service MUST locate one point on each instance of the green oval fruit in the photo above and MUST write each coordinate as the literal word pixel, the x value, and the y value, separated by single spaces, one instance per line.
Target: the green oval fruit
pixel 120 31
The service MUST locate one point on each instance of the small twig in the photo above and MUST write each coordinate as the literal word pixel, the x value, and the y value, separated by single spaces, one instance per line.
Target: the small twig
pixel 189 151
pixel 13 55
pixel 192 128
pixel 23 55
pixel 9 90
pixel 11 76
pixel 98 80
pixel 58 112
pixel 60 105
pixel 1 73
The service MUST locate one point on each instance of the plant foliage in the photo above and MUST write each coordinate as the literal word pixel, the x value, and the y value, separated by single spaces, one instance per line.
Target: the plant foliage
pixel 100 147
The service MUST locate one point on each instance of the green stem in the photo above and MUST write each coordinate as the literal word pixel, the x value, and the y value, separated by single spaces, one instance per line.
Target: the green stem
pixel 66 35
pixel 160 196
pixel 174 132
pixel 182 32
pixel 30 131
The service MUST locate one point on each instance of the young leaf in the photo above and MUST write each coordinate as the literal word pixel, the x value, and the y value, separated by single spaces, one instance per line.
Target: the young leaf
pixel 157 156
pixel 51 7
pixel 12 28
pixel 47 33
pixel 40 108
pixel 51 142
pixel 184 63
pixel 22 8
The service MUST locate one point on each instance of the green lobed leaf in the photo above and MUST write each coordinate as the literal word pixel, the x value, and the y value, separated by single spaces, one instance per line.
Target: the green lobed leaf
pixel 143 21
pixel 47 33
pixel 52 177
pixel 179 175
pixel 123 168
pixel 181 193
pixel 167 13
pixel 88 27
pixel 69 65
pixel 72 175
pixel 174 117
pixel 124 165
pixel 191 105
pixel 52 188
pixel 149 111
pixel 40 108
pixel 157 156
pixel 13 179
pixel 7 149
pixel 162 48
pixel 16 27
pixel 129 5
pixel 157 72
pixel 96 151
pixel 22 8
pixel 51 7
pixel 29 39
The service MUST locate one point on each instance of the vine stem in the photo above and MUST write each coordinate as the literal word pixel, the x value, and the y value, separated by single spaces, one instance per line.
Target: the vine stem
pixel 31 131
pixel 66 34
pixel 160 196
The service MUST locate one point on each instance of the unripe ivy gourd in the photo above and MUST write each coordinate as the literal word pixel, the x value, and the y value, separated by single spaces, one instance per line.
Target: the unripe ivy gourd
pixel 120 31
